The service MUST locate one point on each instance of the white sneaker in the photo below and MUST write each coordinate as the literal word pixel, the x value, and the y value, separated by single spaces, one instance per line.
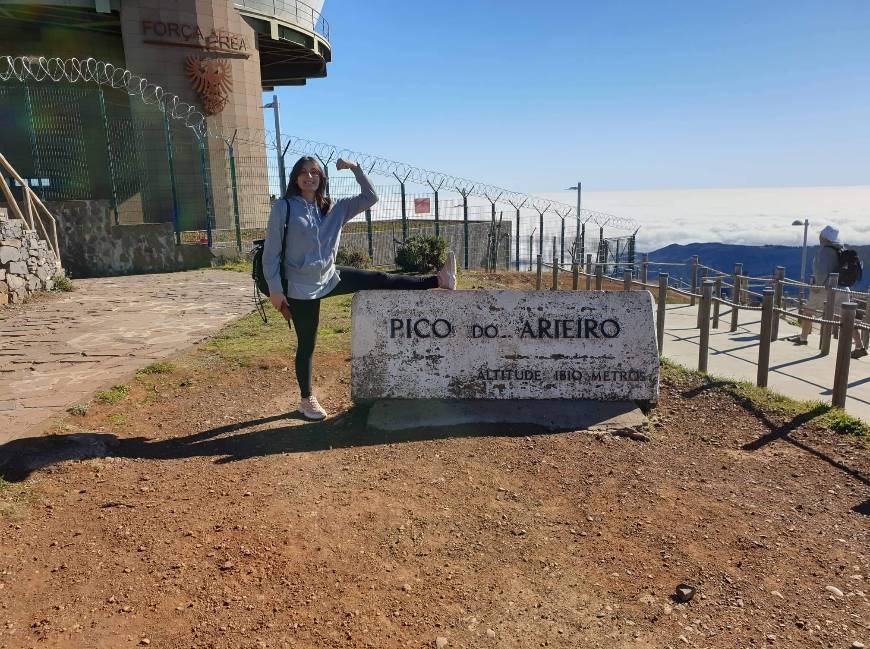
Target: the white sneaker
pixel 311 409
pixel 447 274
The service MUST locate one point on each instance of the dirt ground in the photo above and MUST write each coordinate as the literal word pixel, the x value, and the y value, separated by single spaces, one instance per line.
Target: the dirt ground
pixel 196 512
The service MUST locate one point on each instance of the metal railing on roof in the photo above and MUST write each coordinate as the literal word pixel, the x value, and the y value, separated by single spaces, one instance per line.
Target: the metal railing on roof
pixel 292 11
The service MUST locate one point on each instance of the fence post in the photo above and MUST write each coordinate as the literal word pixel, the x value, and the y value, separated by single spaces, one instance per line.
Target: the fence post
pixel 404 208
pixel 626 280
pixel 778 276
pixel 589 271
pixel 599 277
pixel 540 271
pixel 575 275
pixel 438 223
pixel 371 236
pixel 764 339
pixel 717 293
pixel 644 269
pixel 109 159
pixel 660 310
pixel 555 271
pixel 541 234
pixel 465 224
pixel 232 156
pixel 830 296
pixel 518 240
pixel 704 312
pixel 168 135
pixel 693 283
pixel 735 295
pixel 206 189
pixel 531 246
pixel 844 349
pixel 703 279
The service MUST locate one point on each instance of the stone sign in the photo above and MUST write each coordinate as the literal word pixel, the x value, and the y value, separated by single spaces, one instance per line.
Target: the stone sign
pixel 504 345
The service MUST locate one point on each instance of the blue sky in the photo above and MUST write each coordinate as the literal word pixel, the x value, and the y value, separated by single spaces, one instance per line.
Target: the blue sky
pixel 621 94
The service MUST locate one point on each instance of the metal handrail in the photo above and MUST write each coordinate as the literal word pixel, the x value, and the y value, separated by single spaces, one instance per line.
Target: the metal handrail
pixel 292 11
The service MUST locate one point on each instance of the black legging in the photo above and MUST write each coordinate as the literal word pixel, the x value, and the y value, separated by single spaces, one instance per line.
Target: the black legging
pixel 306 313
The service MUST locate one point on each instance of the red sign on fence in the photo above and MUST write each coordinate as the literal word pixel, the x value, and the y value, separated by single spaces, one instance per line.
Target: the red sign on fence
pixel 422 206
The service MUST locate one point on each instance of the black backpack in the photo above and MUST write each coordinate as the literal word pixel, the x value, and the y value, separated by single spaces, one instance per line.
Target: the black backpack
pixel 257 265
pixel 849 267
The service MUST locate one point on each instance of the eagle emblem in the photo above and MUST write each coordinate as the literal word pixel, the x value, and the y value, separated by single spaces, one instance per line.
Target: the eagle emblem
pixel 212 80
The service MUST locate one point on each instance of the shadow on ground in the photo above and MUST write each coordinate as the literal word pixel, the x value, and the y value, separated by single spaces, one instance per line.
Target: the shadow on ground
pixel 286 433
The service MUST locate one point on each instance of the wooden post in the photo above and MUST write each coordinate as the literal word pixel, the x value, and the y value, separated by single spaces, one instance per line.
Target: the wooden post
pixel 735 295
pixel 644 269
pixel 575 275
pixel 844 350
pixel 693 283
pixel 555 269
pixel 778 276
pixel 865 334
pixel 599 278
pixel 764 342
pixel 717 293
pixel 626 280
pixel 540 270
pixel 704 311
pixel 830 297
pixel 589 272
pixel 660 310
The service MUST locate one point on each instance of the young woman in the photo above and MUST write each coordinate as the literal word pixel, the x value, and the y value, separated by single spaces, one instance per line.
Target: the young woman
pixel 313 232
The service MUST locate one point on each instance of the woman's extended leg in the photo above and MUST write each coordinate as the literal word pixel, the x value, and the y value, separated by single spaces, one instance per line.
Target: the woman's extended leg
pixel 354 279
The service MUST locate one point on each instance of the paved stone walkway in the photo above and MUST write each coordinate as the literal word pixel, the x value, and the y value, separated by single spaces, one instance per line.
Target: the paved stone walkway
pixel 57 353
pixel 797 372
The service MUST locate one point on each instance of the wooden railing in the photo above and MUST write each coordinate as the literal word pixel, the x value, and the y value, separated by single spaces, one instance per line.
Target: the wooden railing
pixel 34 213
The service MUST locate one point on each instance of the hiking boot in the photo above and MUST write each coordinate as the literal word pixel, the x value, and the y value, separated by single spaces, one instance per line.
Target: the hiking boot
pixel 858 353
pixel 447 274
pixel 310 409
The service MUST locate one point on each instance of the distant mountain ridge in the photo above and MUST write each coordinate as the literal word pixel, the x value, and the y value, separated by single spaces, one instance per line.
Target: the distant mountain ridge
pixel 756 260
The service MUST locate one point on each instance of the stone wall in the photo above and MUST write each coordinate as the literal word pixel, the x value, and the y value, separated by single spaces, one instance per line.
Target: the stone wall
pixel 91 245
pixel 26 263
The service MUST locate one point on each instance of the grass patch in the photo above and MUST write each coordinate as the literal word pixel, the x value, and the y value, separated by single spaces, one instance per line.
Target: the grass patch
pixel 62 283
pixel 117 419
pixel 14 496
pixel 160 367
pixel 113 394
pixel 824 414
pixel 240 265
pixel 79 410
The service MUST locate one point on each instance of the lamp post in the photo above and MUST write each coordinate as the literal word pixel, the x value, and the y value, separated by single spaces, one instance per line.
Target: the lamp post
pixel 806 224
pixel 577 239
pixel 274 105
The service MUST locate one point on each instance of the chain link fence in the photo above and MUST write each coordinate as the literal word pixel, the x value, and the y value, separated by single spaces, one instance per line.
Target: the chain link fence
pixel 72 142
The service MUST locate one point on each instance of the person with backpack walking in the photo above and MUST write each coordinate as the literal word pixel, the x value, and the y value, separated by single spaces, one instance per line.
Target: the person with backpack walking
pixel 831 257
pixel 304 230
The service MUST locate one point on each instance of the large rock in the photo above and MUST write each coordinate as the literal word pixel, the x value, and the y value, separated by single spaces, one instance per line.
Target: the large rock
pixel 8 253
pixel 17 268
pixel 504 345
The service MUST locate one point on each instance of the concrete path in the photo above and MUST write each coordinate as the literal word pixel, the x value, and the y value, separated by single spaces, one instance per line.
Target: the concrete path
pixel 797 372
pixel 57 353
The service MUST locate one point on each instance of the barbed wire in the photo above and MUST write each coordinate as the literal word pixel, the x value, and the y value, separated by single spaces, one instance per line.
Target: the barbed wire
pixel 376 164
pixel 73 70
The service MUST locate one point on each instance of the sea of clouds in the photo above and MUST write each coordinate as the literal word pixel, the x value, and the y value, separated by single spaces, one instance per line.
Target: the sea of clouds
pixel 751 216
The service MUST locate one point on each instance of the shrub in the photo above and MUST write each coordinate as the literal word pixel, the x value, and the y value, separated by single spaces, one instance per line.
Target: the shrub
pixel 160 367
pixel 350 256
pixel 420 254
pixel 62 283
